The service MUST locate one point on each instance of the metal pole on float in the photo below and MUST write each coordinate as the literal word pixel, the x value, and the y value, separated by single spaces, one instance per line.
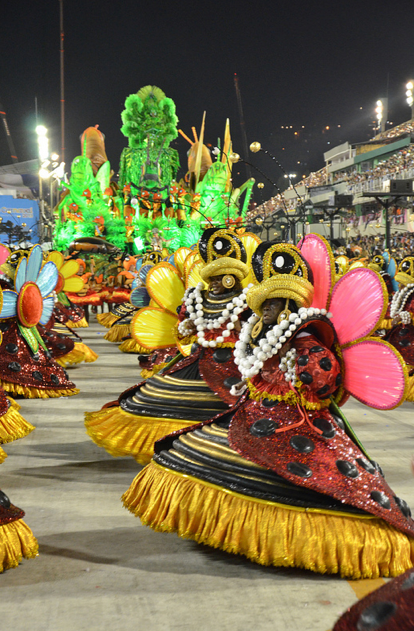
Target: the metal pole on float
pixel 62 84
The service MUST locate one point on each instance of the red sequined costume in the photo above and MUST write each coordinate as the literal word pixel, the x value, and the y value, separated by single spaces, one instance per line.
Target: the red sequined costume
pixel 282 478
pixel 196 387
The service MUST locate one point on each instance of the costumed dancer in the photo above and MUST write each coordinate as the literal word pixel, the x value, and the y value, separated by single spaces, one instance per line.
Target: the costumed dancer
pixel 26 367
pixel 282 478
pixel 196 387
pixel 386 267
pixel 401 335
pixel 16 539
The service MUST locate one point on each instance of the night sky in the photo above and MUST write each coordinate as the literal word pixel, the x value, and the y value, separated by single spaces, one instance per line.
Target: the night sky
pixel 311 64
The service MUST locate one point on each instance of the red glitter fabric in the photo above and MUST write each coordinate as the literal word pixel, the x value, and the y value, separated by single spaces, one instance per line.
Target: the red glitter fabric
pixel 12 513
pixel 329 464
pixel 389 608
pixel 19 366
pixel 4 403
pixel 57 344
pixel 158 357
pixel 63 314
pixel 270 381
pixel 218 375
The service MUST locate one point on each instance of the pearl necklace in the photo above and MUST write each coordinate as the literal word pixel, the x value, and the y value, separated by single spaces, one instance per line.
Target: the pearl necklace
pixel 193 300
pixel 398 303
pixel 250 364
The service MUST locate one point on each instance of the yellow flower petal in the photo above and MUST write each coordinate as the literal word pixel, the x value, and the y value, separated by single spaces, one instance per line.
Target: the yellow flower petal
pixel 57 258
pixel 73 284
pixel 70 268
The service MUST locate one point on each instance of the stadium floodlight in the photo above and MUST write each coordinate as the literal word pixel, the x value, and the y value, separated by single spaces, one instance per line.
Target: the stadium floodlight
pixel 379 110
pixel 42 142
pixel 410 96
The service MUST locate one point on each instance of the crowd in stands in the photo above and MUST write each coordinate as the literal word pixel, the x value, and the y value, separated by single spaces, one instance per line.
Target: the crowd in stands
pixel 401 245
pixel 400 162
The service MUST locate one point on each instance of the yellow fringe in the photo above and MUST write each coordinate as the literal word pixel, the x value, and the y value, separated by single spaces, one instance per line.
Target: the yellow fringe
pixel 409 396
pixel 13 426
pixel 16 541
pixel 266 532
pixel 89 355
pixel 3 455
pixel 291 397
pixel 14 404
pixel 70 359
pixel 107 319
pixel 118 332
pixel 146 373
pixel 131 346
pixel 81 324
pixel 80 353
pixel 124 434
pixel 36 393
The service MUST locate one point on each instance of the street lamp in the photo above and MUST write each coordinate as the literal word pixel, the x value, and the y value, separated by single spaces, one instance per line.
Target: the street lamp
pixel 410 97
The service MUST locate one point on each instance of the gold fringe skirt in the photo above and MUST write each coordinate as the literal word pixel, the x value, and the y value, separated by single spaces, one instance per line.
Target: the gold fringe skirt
pixel 107 319
pixel 118 332
pixel 13 426
pixel 123 434
pixel 80 353
pixel 266 532
pixel 3 455
pixel 80 324
pixel 16 541
pixel 131 346
pixel 28 392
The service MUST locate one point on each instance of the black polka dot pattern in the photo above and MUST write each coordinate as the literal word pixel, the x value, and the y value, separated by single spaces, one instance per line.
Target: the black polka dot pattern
pixel 381 499
pixel 302 444
pixel 263 427
pixel 347 468
pixel 299 469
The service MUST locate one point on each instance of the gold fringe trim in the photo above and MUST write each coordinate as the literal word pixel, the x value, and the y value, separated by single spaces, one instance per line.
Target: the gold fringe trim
pixel 16 541
pixel 290 397
pixel 70 359
pixel 14 404
pixel 13 426
pixel 266 532
pixel 146 373
pixel 131 346
pixel 81 324
pixel 409 396
pixel 3 455
pixel 89 355
pixel 107 319
pixel 80 353
pixel 36 393
pixel 118 332
pixel 124 434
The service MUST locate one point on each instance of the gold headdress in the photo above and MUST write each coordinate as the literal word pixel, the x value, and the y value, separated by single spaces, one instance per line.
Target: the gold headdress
pixel 405 272
pixel 223 254
pixel 282 272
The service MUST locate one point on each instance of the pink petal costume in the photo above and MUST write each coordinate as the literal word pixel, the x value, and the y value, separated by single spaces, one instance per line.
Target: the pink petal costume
pixel 281 478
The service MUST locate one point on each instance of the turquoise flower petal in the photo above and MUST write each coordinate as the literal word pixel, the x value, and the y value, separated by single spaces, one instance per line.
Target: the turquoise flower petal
pixel 34 263
pixel 20 277
pixel 48 304
pixel 47 279
pixel 9 308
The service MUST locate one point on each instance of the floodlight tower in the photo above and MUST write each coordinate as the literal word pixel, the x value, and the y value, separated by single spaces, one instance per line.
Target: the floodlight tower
pixel 381 113
pixel 409 94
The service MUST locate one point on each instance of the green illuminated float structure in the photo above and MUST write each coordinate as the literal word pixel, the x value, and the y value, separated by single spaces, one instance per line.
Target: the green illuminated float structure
pixel 149 208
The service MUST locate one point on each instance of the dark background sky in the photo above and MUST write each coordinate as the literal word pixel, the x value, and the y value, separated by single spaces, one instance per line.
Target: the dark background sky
pixel 311 64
